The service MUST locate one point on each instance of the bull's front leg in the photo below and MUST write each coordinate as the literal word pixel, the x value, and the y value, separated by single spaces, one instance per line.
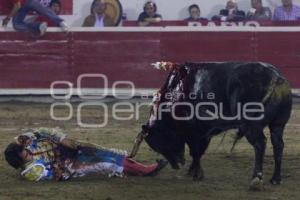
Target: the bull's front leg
pixel 181 158
pixel 196 170
pixel 197 149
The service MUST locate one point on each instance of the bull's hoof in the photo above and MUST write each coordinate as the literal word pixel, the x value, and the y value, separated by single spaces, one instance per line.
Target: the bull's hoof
pixel 190 172
pixel 257 184
pixel 197 174
pixel 275 181
pixel 174 164
pixel 199 177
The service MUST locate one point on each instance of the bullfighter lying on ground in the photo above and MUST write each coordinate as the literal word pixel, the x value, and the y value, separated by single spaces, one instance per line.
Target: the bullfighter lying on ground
pixel 47 154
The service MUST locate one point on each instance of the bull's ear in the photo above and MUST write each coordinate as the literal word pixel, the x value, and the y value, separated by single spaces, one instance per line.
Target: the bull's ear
pixel 145 128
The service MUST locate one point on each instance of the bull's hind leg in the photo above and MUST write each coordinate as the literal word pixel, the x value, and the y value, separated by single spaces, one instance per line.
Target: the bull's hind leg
pixel 276 128
pixel 258 140
pixel 278 145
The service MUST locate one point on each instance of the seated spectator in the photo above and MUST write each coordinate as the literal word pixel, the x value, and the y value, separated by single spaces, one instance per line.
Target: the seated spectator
pixel 98 18
pixel 195 13
pixel 230 13
pixel 258 12
pixel 149 16
pixel 287 12
pixel 54 5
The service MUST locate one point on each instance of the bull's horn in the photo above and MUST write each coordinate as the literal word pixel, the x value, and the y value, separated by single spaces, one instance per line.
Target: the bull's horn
pixel 162 65
pixel 137 143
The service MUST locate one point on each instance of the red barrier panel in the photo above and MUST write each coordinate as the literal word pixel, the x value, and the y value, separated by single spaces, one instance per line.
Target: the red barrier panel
pixel 121 56
pixel 30 63
pixel 126 56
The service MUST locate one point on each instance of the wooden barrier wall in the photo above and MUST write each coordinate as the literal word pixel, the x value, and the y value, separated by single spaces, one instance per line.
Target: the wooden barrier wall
pixel 126 54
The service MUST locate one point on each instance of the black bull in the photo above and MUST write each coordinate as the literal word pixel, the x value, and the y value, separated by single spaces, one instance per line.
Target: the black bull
pixel 214 97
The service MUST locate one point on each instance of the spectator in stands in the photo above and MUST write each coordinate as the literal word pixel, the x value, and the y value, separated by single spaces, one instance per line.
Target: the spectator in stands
pixel 287 12
pixel 98 18
pixel 20 10
pixel 54 5
pixel 149 15
pixel 195 13
pixel 230 13
pixel 258 12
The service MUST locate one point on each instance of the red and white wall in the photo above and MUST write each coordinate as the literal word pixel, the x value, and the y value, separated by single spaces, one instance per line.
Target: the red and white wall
pixel 30 65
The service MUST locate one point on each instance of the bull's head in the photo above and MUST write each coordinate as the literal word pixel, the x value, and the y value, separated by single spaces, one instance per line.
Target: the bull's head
pixel 162 134
pixel 164 140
